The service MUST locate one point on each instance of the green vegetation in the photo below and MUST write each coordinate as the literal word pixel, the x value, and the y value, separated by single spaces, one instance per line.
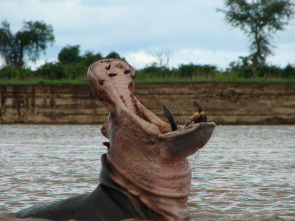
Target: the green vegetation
pixel 74 72
pixel 209 73
pixel 29 41
pixel 259 20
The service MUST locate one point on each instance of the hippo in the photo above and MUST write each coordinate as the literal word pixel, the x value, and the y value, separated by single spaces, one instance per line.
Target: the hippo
pixel 145 173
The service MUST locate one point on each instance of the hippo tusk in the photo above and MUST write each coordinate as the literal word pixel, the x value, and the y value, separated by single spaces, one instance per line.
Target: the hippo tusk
pixel 170 118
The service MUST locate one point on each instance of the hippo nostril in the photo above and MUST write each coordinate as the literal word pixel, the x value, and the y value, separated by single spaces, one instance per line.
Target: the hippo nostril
pixel 112 74
pixel 123 100
pixel 127 71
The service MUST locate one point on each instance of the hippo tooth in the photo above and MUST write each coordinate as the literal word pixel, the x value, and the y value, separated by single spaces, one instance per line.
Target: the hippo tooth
pixel 170 118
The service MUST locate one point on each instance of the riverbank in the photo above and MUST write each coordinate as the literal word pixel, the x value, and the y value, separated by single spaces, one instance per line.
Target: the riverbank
pixel 225 103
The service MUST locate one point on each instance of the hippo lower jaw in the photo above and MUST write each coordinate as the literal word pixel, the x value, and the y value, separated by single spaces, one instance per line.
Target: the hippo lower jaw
pixel 146 156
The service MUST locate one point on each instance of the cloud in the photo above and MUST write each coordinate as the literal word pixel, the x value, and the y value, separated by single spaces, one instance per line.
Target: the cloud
pixel 140 59
pixel 221 59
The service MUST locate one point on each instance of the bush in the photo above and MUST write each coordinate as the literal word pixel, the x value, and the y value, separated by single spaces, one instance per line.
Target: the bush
pixel 89 58
pixel 75 70
pixel 263 71
pixel 245 72
pixel 269 71
pixel 192 70
pixel 288 72
pixel 154 71
pixel 10 72
pixel 115 55
pixel 51 71
pixel 69 54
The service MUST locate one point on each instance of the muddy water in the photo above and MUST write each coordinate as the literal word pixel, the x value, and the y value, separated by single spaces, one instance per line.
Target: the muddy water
pixel 244 172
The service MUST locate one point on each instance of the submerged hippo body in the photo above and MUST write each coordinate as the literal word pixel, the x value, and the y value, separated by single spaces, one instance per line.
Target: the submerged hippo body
pixel 145 172
pixel 106 202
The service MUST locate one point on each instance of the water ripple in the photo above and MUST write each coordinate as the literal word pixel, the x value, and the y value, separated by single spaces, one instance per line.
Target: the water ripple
pixel 244 172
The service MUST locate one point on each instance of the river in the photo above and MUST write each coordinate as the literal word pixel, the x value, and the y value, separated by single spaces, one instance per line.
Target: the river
pixel 243 173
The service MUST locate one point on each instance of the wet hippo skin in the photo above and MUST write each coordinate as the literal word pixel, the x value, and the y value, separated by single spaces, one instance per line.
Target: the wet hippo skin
pixel 145 172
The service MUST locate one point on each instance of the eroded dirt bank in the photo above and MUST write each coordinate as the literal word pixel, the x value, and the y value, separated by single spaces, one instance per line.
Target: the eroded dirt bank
pixel 225 103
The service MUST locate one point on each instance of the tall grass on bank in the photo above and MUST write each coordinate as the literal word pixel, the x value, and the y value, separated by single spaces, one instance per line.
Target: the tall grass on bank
pixel 213 79
pixel 36 81
pixel 75 73
pixel 146 80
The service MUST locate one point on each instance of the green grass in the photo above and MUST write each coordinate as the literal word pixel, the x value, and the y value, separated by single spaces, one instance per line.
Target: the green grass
pixel 145 80
pixel 213 79
pixel 42 81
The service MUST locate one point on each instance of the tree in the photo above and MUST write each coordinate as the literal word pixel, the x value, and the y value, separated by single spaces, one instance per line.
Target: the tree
pixel 30 41
pixel 69 54
pixel 259 20
pixel 115 55
pixel 89 57
pixel 162 57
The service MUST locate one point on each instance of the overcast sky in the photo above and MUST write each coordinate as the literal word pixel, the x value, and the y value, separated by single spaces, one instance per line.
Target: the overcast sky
pixel 187 30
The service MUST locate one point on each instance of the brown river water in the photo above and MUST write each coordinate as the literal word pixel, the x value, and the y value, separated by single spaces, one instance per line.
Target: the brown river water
pixel 243 173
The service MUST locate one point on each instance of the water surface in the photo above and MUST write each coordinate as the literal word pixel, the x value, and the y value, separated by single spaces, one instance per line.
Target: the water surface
pixel 243 173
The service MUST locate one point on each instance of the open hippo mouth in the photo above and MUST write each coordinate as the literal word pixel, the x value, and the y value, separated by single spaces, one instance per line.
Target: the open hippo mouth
pixel 111 80
pixel 146 156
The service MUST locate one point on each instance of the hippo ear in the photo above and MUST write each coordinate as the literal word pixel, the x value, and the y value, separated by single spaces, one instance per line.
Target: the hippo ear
pixel 187 141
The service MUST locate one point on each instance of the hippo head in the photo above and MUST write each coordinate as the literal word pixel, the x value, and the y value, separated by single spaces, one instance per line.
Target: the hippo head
pixel 146 156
